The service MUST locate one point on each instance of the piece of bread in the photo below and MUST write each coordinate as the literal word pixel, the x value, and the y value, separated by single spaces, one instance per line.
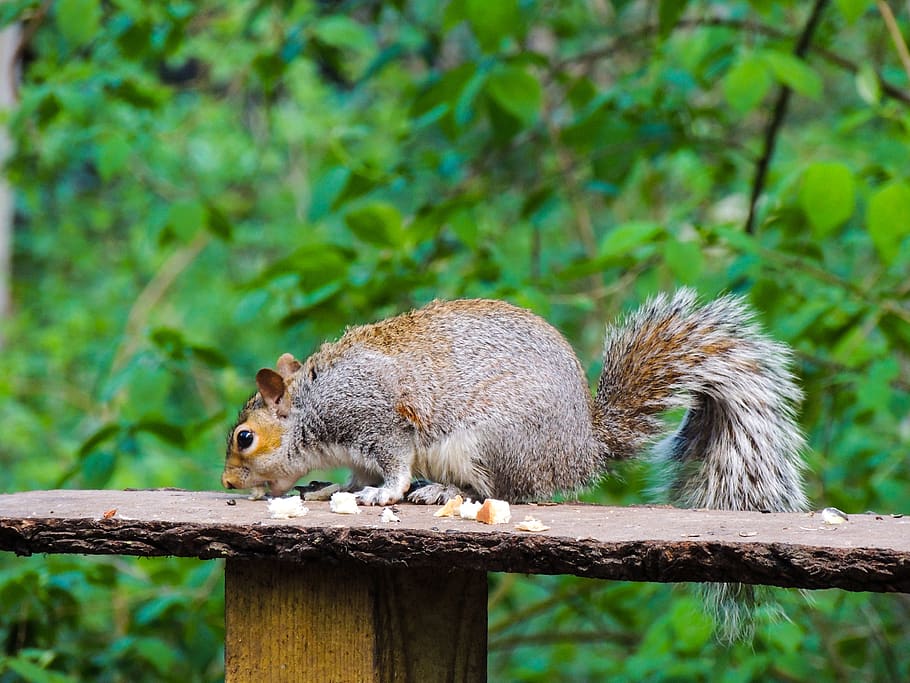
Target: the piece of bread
pixel 494 512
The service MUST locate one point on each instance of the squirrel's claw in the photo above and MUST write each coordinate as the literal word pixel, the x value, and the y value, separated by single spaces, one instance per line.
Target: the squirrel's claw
pixel 371 495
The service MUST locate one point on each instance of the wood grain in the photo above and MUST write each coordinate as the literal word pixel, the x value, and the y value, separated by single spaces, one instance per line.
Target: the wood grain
pixel 317 622
pixel 868 553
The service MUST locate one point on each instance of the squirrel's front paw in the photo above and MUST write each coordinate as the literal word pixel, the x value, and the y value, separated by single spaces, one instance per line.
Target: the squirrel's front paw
pixel 371 495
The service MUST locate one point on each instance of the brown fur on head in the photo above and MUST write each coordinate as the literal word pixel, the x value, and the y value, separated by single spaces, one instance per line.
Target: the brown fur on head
pixel 259 426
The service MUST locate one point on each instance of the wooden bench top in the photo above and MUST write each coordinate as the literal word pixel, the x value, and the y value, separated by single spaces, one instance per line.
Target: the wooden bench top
pixel 868 553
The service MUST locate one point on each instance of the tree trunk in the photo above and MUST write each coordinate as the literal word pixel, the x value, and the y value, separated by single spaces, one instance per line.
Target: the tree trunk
pixel 9 78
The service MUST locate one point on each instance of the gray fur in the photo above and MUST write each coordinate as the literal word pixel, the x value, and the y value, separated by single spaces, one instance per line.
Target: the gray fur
pixel 483 396
pixel 738 446
pixel 500 402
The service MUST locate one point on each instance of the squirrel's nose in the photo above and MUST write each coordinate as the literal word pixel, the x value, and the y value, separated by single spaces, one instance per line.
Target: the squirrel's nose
pixel 227 483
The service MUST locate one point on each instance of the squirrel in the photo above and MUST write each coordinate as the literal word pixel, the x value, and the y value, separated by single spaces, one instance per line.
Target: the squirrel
pixel 487 399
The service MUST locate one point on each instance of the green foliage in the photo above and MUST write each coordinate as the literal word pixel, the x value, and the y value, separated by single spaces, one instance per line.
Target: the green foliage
pixel 827 196
pixel 747 83
pixel 887 219
pixel 203 186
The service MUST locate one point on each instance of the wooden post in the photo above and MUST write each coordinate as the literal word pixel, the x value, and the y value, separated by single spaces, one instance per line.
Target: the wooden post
pixel 351 622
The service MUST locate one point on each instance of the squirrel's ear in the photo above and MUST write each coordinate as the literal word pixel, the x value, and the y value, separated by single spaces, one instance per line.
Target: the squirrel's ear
pixel 273 391
pixel 287 365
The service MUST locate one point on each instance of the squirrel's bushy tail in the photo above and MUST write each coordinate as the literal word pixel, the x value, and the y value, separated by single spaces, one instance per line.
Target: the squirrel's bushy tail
pixel 738 445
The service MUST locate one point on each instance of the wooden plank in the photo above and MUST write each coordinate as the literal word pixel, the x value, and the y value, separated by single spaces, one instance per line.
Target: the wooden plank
pixel 317 622
pixel 869 553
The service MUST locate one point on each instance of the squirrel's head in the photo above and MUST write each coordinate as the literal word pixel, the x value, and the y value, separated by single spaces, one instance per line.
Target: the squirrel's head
pixel 254 441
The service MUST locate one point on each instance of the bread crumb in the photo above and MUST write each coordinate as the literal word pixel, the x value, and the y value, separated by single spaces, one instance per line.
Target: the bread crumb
pixel 285 508
pixel 494 512
pixel 531 524
pixel 388 516
pixel 451 508
pixel 833 516
pixel 469 510
pixel 343 503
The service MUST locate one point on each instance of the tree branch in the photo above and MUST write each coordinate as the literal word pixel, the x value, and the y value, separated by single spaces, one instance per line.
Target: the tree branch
pixel 895 33
pixel 779 113
pixel 888 89
pixel 31 23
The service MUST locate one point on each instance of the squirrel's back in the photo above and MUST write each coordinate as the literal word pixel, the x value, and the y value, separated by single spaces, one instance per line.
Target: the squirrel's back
pixel 482 380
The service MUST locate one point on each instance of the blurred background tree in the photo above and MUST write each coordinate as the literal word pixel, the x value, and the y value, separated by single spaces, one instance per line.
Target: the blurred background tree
pixel 201 186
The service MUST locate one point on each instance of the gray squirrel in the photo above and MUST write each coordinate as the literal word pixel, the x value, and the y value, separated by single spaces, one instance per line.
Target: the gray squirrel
pixel 486 399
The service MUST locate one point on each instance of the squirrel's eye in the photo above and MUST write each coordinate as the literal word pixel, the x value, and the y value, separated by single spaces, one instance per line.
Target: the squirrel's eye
pixel 244 439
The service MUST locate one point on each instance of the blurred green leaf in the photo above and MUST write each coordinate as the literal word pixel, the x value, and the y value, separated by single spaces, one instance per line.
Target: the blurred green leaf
pixel 669 13
pixel 747 83
pixel 464 225
pixel 315 300
pixel 270 67
pixel 30 672
pixel 827 196
pixel 377 223
pixel 491 21
pixel 868 85
pixel 852 349
pixel 356 185
pixel 684 259
pixel 737 239
pixel 794 73
pixel 113 153
pixel 852 9
pixel 151 652
pixel 47 109
pixel 165 431
pixel 97 438
pixel 135 41
pixel 156 652
pixel 157 608
pixel 210 356
pixel 516 91
pixel 186 218
pixel 874 390
pixel 97 468
pixel 340 31
pixel 78 20
pixel 129 91
pixel 886 219
pixel 622 239
pixel 692 628
pixel 464 104
pixel 218 223
pixel 171 341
